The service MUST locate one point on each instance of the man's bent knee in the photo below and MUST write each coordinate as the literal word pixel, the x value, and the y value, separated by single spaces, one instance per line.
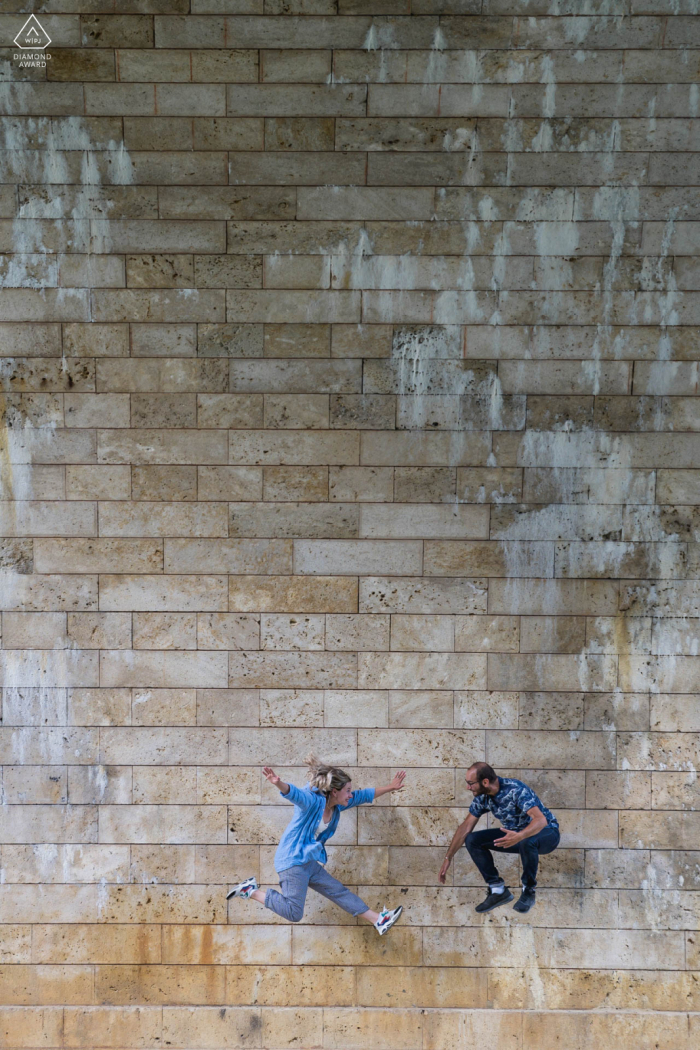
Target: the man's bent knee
pixel 296 913
pixel 470 840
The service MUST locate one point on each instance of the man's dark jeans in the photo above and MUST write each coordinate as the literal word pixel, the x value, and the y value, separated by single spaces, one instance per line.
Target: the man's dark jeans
pixel 480 844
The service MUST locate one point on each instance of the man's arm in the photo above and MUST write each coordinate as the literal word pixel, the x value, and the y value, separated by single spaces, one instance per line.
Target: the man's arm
pixel 457 842
pixel 538 822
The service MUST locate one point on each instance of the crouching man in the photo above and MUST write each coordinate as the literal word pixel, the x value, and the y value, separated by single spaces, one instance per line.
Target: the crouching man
pixel 528 829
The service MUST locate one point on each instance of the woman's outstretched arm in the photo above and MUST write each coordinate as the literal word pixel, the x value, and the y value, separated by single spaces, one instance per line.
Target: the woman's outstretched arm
pixel 395 785
pixel 276 781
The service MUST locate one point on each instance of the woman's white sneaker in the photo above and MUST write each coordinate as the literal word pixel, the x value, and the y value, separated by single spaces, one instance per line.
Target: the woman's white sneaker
pixel 243 889
pixel 387 919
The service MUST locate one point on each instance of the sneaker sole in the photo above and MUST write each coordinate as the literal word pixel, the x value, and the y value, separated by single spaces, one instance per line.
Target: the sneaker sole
pixel 506 899
pixel 385 929
pixel 523 908
pixel 231 894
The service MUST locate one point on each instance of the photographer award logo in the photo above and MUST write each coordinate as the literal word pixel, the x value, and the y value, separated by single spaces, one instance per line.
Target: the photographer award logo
pixel 32 40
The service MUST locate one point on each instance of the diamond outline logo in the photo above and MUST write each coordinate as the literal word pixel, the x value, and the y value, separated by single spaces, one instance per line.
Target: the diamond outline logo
pixel 32 25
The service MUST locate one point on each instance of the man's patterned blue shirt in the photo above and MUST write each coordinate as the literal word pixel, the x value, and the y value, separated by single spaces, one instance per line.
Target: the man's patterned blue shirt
pixel 510 805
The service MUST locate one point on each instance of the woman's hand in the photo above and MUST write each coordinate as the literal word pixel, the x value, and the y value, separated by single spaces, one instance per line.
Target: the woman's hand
pixel 270 775
pixel 395 785
pixel 444 869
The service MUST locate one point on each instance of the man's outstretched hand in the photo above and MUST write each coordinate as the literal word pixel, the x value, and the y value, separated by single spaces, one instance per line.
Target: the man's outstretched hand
pixel 509 838
pixel 443 870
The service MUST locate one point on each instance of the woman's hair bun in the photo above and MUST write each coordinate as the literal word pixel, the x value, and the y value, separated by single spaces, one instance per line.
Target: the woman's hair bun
pixel 324 777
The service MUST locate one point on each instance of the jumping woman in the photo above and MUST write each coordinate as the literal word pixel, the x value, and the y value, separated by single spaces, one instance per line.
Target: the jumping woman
pixel 301 853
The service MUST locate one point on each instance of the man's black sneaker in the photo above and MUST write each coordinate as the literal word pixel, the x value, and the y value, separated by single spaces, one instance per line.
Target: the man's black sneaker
pixel 526 901
pixel 493 900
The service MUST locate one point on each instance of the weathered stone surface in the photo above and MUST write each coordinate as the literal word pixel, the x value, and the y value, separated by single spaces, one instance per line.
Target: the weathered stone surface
pixel 349 357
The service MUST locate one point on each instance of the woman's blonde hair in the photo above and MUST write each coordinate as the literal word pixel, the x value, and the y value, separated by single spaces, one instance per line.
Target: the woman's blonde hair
pixel 324 777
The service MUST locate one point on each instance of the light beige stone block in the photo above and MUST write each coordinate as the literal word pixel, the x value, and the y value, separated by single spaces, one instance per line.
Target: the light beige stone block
pixel 98 482
pixel 587 1029
pixel 673 790
pixel 289 985
pixel 66 863
pixel 291 707
pixel 227 786
pixel 418 520
pixel 16 944
pixel 163 824
pixel 43 518
pixel 622 790
pixel 99 630
pixel 631 949
pixel 488 558
pixel 217 864
pixel 292 670
pixel 421 987
pixel 84 1026
pixel 228 631
pixel 223 1027
pixel 99 706
pixel 356 633
pixel 354 946
pixel 355 707
pixel 98 555
pixel 418 708
pixel 421 633
pixel 361 484
pixel 122 985
pixel 290 747
pixel 164 631
pixel 487 634
pixel 172 592
pixel 462 1027
pixel 395 595
pixel 164 785
pixel 557 671
pixel 41 1025
pixel 41 784
pixel 156 707
pixel 98 784
pixel 476 709
pixel 48 667
pixel 81 942
pixel 34 630
pixel 38 745
pixel 228 707
pixel 170 669
pixel 163 746
pixel 383 1029
pixel 302 632
pixel 299 594
pixel 228 555
pixel 663 751
pixel 350 557
pixel 422 670
pixel 53 986
pixel 53 823
pixel 573 750
pixel 163 519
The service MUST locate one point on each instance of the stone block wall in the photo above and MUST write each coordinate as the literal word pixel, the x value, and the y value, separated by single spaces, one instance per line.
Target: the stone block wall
pixel 350 375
